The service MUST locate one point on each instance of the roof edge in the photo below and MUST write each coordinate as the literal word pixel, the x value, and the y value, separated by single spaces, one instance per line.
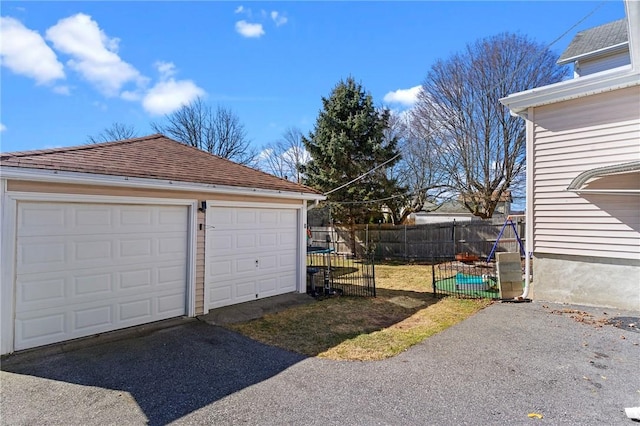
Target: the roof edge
pixel 80 147
pixel 592 84
pixel 50 176
pixel 616 48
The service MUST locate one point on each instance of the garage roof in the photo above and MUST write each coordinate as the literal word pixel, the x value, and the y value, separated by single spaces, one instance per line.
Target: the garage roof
pixel 153 157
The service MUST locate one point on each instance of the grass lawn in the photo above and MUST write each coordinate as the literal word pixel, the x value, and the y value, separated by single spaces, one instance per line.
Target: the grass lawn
pixel 364 328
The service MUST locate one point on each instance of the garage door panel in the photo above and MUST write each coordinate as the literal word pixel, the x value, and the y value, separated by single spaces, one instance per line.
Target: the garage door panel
pixel 134 309
pixel 245 218
pixel 268 285
pixel 245 290
pixel 48 254
pixel 86 269
pixel 141 247
pixel 221 296
pixel 251 252
pixel 44 289
pixel 268 241
pixel 100 316
pixel 244 241
pixel 43 330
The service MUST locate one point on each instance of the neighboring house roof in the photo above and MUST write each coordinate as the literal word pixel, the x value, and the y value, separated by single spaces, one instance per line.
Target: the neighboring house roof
pixel 505 197
pixel 602 39
pixel 151 157
pixel 446 208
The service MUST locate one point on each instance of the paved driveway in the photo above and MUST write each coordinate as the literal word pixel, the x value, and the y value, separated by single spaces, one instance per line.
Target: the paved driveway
pixel 507 361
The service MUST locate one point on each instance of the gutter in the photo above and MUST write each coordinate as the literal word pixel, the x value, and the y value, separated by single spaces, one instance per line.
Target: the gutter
pixel 605 81
pixel 55 176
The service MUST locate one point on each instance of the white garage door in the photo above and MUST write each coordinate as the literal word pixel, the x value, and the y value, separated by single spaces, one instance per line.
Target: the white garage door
pixel 83 269
pixel 250 253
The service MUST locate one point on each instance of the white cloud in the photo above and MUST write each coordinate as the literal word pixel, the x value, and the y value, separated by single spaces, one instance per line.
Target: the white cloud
pixel 278 19
pixel 249 30
pixel 239 9
pixel 406 97
pixel 62 90
pixel 166 69
pixel 100 105
pixel 2 127
pixel 94 54
pixel 25 52
pixel 168 94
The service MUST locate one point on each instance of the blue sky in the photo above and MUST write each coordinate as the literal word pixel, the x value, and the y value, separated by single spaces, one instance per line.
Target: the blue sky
pixel 71 69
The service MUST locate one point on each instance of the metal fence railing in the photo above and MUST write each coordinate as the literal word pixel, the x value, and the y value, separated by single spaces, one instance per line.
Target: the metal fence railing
pixel 465 276
pixel 330 273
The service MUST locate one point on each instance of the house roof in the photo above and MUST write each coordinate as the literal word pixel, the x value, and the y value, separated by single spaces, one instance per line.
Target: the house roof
pixel 596 40
pixel 151 157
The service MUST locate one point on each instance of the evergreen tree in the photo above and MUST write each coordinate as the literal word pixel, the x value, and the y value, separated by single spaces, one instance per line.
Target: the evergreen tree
pixel 348 141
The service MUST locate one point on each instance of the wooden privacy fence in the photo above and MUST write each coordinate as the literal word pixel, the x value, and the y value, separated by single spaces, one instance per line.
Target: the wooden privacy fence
pixel 413 242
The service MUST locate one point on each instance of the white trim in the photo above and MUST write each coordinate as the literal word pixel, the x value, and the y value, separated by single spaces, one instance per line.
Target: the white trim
pixel 8 246
pixel 55 176
pixel 252 204
pixel 592 84
pixel 616 48
pixel 192 243
pixel 302 249
pixel 101 199
pixel 7 253
pixel 606 191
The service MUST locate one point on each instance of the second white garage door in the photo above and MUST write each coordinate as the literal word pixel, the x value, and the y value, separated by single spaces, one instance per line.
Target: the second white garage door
pixel 83 269
pixel 251 253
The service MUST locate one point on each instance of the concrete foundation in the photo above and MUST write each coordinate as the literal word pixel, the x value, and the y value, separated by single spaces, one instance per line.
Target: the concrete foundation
pixel 613 283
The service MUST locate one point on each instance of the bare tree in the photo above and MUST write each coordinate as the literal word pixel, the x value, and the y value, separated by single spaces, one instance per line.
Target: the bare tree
pixel 116 132
pixel 418 170
pixel 217 131
pixel 480 146
pixel 284 157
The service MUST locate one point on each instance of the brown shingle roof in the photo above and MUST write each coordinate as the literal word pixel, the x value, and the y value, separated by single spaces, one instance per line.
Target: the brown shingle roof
pixel 154 157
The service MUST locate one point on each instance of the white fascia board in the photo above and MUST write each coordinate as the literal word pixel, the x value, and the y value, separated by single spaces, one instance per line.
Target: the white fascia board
pixel 57 176
pixel 605 81
pixel 616 48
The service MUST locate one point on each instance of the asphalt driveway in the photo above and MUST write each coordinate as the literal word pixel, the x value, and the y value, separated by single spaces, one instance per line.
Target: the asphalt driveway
pixel 506 362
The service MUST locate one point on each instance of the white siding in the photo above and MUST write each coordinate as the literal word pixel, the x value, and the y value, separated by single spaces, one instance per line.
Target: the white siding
pixel 572 137
pixel 586 67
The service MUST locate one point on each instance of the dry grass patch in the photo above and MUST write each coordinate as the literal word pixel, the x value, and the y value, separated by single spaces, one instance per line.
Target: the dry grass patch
pixel 358 328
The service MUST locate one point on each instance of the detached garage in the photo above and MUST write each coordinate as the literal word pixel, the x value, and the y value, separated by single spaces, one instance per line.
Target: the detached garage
pixel 101 237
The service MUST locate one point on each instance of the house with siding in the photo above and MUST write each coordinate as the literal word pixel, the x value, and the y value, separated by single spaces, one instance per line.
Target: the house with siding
pixel 583 171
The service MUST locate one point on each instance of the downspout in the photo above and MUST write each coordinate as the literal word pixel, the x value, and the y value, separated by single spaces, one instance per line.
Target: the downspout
pixel 528 204
pixel 314 205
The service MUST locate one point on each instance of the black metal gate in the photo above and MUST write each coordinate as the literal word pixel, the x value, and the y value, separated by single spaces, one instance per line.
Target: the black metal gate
pixel 331 274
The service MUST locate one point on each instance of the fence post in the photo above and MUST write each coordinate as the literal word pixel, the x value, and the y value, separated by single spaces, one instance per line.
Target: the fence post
pixel 433 275
pixel 453 236
pixel 406 255
pixel 366 239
